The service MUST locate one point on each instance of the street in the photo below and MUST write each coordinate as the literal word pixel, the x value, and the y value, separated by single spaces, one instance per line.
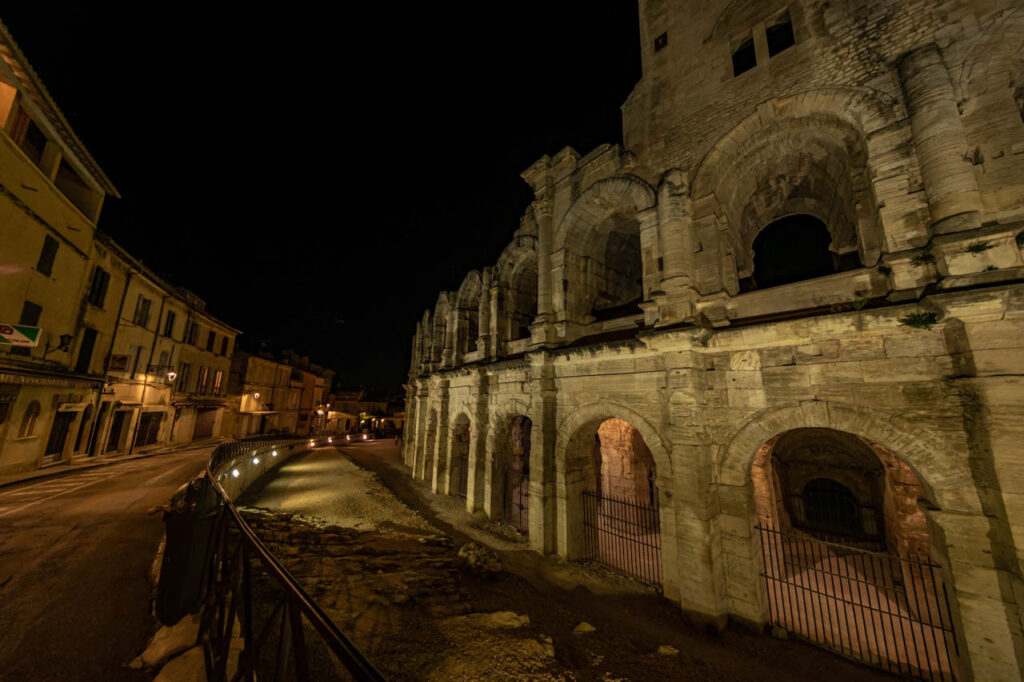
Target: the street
pixel 74 555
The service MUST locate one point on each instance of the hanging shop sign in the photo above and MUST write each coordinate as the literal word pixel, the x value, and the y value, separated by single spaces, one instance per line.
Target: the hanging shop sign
pixel 19 335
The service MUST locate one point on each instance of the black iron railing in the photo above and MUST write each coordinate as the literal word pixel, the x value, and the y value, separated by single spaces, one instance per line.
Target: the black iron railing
pixel 882 609
pixel 835 517
pixel 623 534
pixel 268 607
pixel 517 499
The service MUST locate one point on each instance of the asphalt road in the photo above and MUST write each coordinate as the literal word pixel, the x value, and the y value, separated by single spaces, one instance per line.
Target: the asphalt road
pixel 75 551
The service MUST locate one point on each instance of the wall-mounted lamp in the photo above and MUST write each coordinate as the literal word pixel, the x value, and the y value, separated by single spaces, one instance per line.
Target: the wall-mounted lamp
pixel 256 395
pixel 64 344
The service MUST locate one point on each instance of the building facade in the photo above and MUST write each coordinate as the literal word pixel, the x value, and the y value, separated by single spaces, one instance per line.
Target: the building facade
pixel 789 310
pixel 52 192
pixel 123 359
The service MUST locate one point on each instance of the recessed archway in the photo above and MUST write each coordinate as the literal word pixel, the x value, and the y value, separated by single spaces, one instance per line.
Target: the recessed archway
pixel 609 462
pixel 459 481
pixel 848 561
pixel 791 249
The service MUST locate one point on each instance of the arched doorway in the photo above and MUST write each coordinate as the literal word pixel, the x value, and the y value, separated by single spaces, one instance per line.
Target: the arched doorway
pixel 611 471
pixel 847 554
pixel 515 475
pixel 460 457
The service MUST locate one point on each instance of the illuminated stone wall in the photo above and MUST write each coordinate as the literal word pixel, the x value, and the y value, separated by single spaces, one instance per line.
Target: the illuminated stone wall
pixel 898 126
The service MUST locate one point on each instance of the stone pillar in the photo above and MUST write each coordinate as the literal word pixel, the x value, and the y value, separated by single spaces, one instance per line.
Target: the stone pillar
pixel 940 142
pixel 545 237
pixel 478 436
pixel 980 592
pixel 497 322
pixel 409 428
pixel 422 424
pixel 492 490
pixel 448 352
pixel 484 315
pixel 543 394
pixel 440 468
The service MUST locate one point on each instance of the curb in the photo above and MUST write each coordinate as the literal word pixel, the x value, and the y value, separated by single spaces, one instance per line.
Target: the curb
pixel 66 470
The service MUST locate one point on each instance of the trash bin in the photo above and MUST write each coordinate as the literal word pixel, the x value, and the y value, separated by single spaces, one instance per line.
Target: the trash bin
pixel 189 525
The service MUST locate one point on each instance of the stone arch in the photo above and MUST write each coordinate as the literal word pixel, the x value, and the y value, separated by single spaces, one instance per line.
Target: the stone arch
pixel 426 339
pixel 458 453
pixel 497 452
pixel 927 455
pixel 810 163
pixel 439 333
pixel 516 275
pixel 597 250
pixel 945 487
pixel 574 431
pixel 467 310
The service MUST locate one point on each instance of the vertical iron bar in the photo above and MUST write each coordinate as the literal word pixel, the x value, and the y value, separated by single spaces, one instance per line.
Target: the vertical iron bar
pixel 298 642
pixel 898 620
pixel 248 615
pixel 284 643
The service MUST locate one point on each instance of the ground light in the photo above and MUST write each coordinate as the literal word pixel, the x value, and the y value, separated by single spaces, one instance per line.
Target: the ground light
pixel 273 453
pixel 255 460
pixel 234 472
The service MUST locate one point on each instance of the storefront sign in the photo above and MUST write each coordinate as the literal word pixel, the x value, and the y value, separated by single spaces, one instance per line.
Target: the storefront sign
pixel 19 335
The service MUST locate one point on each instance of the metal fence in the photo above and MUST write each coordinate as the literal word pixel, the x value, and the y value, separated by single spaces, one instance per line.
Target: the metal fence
pixel 517 499
pixel 623 534
pixel 885 610
pixel 248 588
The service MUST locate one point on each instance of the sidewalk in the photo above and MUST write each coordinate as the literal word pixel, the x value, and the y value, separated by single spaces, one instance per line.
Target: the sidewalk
pixel 72 466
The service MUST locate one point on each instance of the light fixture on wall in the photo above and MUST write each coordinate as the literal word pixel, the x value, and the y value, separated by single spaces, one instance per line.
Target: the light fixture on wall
pixel 256 395
pixel 171 375
pixel 63 344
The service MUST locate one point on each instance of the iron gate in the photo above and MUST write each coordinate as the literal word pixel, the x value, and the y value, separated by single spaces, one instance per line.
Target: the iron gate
pixel 623 534
pixel 462 474
pixel 517 499
pixel 881 609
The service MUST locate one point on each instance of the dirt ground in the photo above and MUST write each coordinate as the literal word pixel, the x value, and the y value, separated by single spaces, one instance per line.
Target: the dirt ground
pixel 448 623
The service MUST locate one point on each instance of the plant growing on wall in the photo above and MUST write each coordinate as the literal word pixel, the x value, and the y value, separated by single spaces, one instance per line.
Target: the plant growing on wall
pixel 978 247
pixel 1019 239
pixel 920 259
pixel 920 320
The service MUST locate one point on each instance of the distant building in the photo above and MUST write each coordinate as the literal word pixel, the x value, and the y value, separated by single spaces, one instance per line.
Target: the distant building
pixel 168 369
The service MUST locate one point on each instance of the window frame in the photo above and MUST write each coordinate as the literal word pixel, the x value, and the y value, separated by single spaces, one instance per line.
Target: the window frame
pixel 47 256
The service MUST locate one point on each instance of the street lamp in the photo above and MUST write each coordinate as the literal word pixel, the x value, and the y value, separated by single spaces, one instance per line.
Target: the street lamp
pixel 64 344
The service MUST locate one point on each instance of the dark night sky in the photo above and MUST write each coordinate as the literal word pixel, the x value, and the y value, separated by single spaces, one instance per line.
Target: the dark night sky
pixel 318 177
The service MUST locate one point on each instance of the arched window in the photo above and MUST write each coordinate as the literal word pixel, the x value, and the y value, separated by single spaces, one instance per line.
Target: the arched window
pixel 831 507
pixel 792 249
pixel 28 421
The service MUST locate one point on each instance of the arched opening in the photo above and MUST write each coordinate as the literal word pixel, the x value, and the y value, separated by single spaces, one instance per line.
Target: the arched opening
pixel 521 301
pixel 847 553
pixel 615 268
pixel 467 306
pixel 84 428
pixel 612 514
pixel 28 420
pixel 510 474
pixel 426 464
pixel 460 456
pixel 791 249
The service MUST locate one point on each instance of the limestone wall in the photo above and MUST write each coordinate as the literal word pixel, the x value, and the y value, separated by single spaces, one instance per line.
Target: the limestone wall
pixel 704 402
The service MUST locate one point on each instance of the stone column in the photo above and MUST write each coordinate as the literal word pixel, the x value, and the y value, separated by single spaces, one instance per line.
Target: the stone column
pixel 478 436
pixel 543 396
pixel 940 142
pixel 484 315
pixel 448 352
pixel 545 237
pixel 497 322
pixel 440 468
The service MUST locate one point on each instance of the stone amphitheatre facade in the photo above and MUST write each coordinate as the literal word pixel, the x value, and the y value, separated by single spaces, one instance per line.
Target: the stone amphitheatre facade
pixel 786 318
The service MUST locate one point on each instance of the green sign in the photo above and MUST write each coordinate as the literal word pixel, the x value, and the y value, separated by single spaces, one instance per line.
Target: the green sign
pixel 19 335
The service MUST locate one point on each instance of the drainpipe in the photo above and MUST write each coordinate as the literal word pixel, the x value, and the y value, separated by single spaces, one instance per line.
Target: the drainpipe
pixel 106 365
pixel 149 363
